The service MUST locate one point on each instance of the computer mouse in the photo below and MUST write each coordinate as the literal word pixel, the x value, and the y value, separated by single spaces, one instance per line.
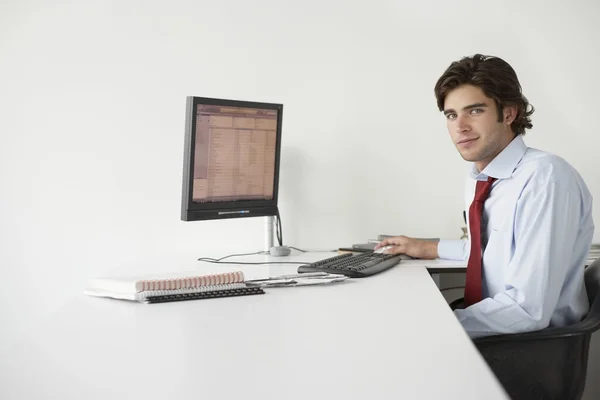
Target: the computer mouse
pixel 384 248
pixel 280 251
pixel 402 256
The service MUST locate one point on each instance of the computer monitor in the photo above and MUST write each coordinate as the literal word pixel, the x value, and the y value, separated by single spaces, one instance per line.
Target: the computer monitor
pixel 231 159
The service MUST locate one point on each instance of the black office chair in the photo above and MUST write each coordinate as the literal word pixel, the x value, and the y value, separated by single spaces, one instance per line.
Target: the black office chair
pixel 550 363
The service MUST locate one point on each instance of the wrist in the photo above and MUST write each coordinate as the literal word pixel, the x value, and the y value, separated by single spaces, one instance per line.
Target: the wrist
pixel 431 249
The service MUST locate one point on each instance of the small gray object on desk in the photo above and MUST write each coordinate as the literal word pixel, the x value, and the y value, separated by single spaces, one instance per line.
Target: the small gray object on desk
pixel 280 251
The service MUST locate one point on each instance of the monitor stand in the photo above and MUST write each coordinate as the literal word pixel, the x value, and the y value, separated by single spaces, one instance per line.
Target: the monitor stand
pixel 270 241
pixel 269 229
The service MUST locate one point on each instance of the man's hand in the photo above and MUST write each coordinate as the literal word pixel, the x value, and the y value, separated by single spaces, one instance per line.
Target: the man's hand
pixel 417 248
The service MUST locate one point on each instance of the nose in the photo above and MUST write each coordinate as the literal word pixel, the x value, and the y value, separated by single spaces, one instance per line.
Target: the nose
pixel 462 124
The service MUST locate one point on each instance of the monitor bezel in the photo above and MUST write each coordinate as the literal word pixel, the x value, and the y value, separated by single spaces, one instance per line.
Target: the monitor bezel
pixel 191 211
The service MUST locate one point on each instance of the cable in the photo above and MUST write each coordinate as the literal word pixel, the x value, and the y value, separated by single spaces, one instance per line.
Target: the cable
pixel 278 228
pixel 279 232
pixel 219 260
pixel 210 259
pixel 295 248
pixel 313 251
pixel 258 263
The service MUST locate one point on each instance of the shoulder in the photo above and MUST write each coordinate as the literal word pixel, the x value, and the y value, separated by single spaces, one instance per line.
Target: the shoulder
pixel 541 174
pixel 539 166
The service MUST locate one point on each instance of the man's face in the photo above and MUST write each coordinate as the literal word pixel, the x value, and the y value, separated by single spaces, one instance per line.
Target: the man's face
pixel 472 121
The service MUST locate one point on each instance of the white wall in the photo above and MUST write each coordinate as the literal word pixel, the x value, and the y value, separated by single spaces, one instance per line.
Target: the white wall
pixel 92 98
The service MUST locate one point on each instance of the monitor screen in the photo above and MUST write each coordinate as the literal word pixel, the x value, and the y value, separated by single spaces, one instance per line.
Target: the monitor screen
pixel 231 159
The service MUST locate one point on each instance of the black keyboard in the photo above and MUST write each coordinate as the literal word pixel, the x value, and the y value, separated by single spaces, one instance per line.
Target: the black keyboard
pixel 353 266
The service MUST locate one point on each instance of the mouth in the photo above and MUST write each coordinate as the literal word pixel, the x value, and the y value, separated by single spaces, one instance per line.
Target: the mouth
pixel 465 142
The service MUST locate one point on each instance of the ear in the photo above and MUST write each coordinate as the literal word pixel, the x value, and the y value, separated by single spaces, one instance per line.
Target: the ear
pixel 510 114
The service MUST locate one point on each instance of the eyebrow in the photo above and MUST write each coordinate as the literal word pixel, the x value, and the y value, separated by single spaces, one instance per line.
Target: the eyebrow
pixel 469 107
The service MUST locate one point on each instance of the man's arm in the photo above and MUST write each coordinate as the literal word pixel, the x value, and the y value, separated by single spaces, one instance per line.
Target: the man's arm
pixel 427 249
pixel 417 248
pixel 546 226
pixel 454 249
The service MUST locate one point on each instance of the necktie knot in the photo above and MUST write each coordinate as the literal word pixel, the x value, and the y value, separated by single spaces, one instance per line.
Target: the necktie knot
pixel 482 190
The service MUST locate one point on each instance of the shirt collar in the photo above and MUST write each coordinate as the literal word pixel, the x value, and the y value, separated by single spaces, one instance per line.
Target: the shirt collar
pixel 505 163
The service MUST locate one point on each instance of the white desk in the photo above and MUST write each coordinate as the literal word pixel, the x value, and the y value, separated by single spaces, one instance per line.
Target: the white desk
pixel 389 336
pixel 437 267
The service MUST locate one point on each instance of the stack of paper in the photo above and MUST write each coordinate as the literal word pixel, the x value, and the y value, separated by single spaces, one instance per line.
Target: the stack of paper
pixel 309 278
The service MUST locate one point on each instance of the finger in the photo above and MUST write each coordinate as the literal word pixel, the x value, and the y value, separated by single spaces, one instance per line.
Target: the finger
pixel 395 241
pixel 397 249
pixel 381 244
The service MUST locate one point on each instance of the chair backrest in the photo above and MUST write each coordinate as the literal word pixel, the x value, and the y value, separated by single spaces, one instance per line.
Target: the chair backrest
pixel 591 323
pixel 551 363
pixel 592 285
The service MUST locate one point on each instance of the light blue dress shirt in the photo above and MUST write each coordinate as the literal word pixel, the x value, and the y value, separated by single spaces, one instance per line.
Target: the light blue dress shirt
pixel 537 229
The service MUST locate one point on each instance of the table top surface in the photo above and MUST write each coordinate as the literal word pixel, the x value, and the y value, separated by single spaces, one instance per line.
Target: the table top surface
pixel 391 335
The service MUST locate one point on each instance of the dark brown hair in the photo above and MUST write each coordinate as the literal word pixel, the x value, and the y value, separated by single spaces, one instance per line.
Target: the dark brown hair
pixel 498 81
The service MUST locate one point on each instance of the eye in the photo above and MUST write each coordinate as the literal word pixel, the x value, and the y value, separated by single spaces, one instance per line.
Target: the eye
pixel 477 111
pixel 451 116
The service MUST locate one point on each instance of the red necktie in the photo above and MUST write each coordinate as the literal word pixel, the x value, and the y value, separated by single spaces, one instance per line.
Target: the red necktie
pixel 473 291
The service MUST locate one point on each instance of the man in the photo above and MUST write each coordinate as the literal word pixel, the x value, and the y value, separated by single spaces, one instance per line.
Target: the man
pixel 531 227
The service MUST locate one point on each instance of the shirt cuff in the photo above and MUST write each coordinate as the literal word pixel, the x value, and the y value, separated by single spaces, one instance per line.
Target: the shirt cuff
pixel 452 249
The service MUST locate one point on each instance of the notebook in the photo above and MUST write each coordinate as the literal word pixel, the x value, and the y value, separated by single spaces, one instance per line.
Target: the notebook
pixel 160 289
